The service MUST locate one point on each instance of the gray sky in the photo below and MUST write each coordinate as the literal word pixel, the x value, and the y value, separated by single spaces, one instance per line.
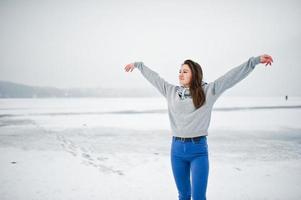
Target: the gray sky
pixel 87 43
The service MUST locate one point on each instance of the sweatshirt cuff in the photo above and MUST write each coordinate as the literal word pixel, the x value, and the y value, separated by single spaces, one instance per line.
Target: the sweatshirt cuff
pixel 257 60
pixel 138 64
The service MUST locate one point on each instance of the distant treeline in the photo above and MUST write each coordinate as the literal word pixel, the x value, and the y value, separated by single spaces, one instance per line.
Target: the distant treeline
pixel 15 90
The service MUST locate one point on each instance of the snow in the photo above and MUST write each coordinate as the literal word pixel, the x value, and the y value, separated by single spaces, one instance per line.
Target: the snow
pixel 118 148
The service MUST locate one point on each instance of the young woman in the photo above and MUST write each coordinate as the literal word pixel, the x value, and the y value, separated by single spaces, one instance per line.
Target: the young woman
pixel 189 109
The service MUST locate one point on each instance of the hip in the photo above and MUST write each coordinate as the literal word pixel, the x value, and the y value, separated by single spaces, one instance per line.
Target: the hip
pixel 195 146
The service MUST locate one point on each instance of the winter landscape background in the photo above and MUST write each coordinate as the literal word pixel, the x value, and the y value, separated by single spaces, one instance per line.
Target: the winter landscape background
pixel 111 148
pixel 118 148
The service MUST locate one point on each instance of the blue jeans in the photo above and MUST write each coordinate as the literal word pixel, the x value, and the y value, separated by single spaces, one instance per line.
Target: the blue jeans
pixel 190 158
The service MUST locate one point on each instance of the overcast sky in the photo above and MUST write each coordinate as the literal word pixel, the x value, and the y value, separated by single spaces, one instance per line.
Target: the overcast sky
pixel 87 43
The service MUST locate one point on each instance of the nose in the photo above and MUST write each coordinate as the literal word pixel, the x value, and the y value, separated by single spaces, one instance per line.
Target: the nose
pixel 181 76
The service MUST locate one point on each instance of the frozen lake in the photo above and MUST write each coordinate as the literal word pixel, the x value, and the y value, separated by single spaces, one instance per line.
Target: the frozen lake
pixel 118 148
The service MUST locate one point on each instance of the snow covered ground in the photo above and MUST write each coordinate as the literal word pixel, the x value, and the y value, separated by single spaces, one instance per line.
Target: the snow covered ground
pixel 118 149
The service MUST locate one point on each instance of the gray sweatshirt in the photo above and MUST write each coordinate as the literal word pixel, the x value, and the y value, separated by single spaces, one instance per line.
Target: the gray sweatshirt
pixel 185 119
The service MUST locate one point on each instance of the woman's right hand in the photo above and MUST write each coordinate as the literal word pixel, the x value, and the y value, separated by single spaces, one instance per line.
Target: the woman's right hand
pixel 129 67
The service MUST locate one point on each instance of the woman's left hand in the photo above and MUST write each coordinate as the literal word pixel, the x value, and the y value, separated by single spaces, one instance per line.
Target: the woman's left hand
pixel 266 59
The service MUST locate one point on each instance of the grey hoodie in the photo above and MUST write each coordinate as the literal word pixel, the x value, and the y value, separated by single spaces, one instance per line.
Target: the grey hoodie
pixel 185 119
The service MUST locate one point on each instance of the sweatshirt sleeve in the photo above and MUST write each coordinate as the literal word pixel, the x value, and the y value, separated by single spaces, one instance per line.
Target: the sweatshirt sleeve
pixel 154 78
pixel 234 76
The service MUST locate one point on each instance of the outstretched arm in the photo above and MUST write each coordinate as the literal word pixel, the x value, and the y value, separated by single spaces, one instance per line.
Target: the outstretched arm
pixel 152 76
pixel 238 73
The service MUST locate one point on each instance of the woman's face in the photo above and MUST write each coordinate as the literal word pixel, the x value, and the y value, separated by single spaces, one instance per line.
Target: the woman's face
pixel 185 75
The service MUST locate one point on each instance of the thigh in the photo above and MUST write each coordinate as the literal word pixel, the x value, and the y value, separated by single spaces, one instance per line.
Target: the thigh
pixel 181 173
pixel 199 175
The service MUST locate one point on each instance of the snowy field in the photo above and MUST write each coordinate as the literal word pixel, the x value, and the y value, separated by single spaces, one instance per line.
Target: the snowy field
pixel 118 149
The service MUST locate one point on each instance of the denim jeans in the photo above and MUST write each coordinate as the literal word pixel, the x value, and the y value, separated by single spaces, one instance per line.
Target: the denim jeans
pixel 190 166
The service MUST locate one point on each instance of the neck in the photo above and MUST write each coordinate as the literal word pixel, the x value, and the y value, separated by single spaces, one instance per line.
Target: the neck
pixel 185 86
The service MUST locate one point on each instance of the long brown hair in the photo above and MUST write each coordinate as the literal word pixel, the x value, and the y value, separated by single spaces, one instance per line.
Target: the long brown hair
pixel 195 88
